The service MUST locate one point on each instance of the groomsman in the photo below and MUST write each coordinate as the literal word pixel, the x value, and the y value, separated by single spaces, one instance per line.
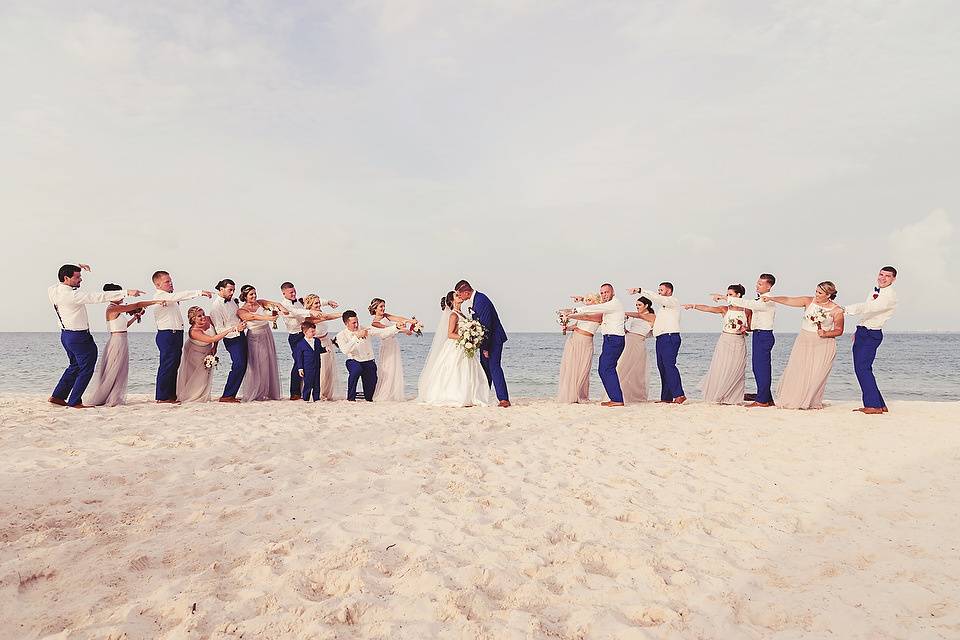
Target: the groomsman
pixel 353 342
pixel 875 312
pixel 69 303
pixel 761 324
pixel 480 307
pixel 223 314
pixel 666 329
pixel 170 333
pixel 297 314
pixel 613 341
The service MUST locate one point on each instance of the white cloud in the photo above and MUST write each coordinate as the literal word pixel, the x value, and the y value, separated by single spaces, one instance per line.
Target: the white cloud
pixel 925 248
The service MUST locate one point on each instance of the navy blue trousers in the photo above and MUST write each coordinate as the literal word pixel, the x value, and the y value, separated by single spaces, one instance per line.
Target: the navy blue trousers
pixel 296 382
pixel 763 342
pixel 82 353
pixel 311 384
pixel 361 371
pixel 668 346
pixel 865 345
pixel 170 343
pixel 237 348
pixel 494 370
pixel 607 368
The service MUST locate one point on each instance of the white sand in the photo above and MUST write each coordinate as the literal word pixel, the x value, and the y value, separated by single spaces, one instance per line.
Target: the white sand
pixel 280 520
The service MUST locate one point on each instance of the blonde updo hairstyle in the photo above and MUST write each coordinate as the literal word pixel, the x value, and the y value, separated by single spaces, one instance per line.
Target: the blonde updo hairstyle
pixel 309 300
pixel 192 314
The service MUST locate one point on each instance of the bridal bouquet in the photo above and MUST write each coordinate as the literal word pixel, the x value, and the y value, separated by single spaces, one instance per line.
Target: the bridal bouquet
pixel 471 335
pixel 818 317
pixel 562 318
pixel 416 326
pixel 211 362
pixel 735 324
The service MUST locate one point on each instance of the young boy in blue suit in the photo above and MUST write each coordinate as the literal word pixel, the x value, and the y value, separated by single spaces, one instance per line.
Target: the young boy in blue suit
pixel 306 357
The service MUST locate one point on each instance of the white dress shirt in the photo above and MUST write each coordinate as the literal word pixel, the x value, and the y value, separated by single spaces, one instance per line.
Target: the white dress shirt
pixel 668 320
pixel 168 317
pixel 297 314
pixel 360 349
pixel 877 311
pixel 223 315
pixel 613 316
pixel 763 312
pixel 71 304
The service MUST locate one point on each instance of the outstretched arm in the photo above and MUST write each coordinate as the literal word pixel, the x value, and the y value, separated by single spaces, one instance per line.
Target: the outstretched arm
pixel 790 301
pixel 871 306
pixel 589 317
pixel 705 308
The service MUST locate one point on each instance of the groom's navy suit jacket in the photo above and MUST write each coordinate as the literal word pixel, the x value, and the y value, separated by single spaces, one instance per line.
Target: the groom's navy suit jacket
pixel 486 313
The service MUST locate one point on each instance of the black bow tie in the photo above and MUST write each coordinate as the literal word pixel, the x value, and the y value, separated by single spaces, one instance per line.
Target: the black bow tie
pixel 876 289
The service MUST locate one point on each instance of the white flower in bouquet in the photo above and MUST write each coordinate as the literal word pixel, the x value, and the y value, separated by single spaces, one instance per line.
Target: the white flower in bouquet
pixel 735 324
pixel 471 336
pixel 818 317
pixel 211 362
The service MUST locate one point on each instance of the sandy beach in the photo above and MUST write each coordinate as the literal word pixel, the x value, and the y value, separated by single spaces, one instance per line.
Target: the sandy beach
pixel 339 520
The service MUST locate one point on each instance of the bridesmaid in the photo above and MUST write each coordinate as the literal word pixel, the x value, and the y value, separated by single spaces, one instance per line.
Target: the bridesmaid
pixel 194 378
pixel 110 377
pixel 632 365
pixel 330 388
pixel 805 378
pixel 725 381
pixel 577 359
pixel 262 379
pixel 389 364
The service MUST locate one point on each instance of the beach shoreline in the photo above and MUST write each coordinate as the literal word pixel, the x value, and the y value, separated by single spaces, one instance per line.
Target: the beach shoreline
pixel 397 520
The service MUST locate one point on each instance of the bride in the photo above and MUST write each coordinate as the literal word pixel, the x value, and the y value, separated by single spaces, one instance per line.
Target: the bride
pixel 450 378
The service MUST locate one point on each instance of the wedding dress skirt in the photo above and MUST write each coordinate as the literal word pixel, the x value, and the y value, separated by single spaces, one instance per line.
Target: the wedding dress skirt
pixel 453 380
pixel 262 379
pixel 389 372
pixel 113 367
pixel 330 387
pixel 632 368
pixel 724 382
pixel 193 379
pixel 575 366
pixel 805 377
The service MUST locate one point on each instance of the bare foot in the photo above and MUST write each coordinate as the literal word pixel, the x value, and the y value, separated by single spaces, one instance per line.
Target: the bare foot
pixel 57 401
pixel 679 399
pixel 611 404
pixel 504 403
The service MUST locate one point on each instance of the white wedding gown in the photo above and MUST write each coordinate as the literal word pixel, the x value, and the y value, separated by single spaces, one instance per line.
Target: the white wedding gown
pixel 449 378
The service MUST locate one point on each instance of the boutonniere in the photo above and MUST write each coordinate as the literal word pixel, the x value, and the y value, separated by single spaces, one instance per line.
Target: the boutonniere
pixel 876 292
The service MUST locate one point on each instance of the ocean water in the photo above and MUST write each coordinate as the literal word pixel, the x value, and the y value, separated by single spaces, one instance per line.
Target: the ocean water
pixel 910 366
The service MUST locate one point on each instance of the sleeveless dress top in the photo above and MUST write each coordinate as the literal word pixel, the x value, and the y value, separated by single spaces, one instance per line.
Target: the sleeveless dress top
pixel 118 324
pixel 637 325
pixel 588 326
pixel 733 314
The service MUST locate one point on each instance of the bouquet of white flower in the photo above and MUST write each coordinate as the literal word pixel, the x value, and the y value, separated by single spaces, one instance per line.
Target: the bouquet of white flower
pixel 818 317
pixel 735 324
pixel 211 362
pixel 471 336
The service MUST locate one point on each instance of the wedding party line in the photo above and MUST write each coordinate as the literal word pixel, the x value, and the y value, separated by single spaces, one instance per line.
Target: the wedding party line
pixel 464 361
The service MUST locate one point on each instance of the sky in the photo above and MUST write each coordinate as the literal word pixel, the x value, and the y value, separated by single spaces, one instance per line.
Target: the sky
pixel 537 149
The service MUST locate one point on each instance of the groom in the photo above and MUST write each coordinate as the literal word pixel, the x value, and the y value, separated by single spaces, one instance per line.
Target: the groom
pixel 478 305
